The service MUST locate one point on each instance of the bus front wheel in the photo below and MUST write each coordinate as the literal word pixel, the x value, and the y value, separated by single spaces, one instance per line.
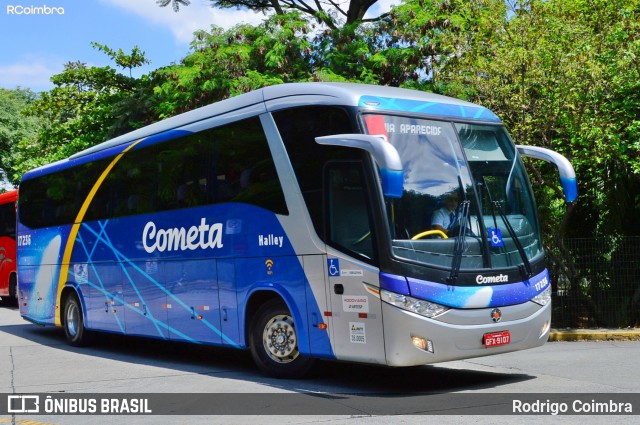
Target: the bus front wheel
pixel 77 335
pixel 274 342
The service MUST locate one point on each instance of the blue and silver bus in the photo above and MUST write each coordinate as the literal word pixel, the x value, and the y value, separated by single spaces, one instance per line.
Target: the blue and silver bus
pixel 298 222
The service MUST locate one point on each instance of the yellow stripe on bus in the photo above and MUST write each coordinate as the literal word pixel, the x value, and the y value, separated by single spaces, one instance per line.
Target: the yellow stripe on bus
pixel 66 258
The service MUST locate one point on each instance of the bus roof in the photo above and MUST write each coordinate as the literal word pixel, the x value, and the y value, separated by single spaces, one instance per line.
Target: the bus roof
pixel 272 98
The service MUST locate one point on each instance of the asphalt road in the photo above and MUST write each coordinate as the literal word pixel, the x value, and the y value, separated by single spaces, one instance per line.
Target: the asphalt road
pixel 37 360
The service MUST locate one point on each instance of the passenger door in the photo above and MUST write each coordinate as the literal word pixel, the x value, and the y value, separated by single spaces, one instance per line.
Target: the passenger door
pixel 356 316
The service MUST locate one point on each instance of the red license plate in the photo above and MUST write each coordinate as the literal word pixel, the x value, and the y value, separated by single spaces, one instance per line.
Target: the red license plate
pixel 496 339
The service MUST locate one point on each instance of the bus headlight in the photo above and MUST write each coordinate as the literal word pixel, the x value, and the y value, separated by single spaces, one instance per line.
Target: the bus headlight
pixel 414 305
pixel 544 297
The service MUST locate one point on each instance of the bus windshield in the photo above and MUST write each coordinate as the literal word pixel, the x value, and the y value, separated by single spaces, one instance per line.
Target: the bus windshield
pixel 467 202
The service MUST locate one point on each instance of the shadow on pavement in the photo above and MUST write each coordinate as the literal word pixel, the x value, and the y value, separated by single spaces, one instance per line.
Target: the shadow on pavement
pixel 327 376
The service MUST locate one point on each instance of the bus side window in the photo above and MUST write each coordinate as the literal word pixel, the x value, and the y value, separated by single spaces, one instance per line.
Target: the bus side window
pixel 298 128
pixel 347 212
pixel 8 223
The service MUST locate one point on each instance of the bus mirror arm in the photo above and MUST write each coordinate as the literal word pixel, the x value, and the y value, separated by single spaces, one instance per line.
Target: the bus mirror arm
pixel 383 152
pixel 567 173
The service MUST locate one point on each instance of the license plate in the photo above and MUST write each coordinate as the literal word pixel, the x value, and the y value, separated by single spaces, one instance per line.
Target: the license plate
pixel 496 339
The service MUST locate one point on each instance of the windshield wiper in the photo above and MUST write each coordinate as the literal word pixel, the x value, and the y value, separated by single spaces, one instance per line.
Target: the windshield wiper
pixel 495 205
pixel 516 240
pixel 493 210
pixel 458 248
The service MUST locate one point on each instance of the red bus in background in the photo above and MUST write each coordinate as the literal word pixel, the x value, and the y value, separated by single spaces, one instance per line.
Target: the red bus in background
pixel 8 278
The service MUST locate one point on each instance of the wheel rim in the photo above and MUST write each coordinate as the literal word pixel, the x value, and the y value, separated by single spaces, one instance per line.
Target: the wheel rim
pixel 279 339
pixel 73 319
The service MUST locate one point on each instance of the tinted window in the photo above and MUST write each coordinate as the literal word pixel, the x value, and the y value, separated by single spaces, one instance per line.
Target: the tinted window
pixel 8 220
pixel 55 199
pixel 347 211
pixel 298 128
pixel 231 163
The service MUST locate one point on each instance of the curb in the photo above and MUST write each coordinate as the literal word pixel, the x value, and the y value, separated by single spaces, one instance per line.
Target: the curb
pixel 594 335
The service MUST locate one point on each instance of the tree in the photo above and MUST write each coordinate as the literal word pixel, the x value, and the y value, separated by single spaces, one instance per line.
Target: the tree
pixel 225 63
pixel 174 3
pixel 328 12
pixel 85 107
pixel 565 75
pixel 15 127
pixel 133 60
pixel 562 74
pixel 403 46
pixel 412 45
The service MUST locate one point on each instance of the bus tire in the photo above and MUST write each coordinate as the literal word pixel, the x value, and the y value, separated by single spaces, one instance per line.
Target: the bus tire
pixel 13 289
pixel 274 342
pixel 76 333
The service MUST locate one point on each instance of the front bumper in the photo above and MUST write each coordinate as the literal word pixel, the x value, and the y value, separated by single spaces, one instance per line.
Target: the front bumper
pixel 458 334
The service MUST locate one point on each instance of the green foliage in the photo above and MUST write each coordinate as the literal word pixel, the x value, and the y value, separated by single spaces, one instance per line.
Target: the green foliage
pixel 175 4
pixel 225 63
pixel 414 45
pixel 15 127
pixel 330 14
pixel 346 52
pixel 87 106
pixel 430 38
pixel 565 75
pixel 561 74
pixel 133 60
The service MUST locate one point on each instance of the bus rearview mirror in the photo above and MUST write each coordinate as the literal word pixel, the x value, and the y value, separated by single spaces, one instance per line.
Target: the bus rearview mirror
pixel 383 152
pixel 567 173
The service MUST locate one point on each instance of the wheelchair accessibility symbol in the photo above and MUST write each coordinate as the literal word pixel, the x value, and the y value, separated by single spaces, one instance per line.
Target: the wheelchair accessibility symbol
pixel 333 266
pixel 496 237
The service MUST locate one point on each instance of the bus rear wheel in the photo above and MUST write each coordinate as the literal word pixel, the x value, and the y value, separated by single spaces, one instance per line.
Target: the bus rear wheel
pixel 77 335
pixel 274 342
pixel 13 289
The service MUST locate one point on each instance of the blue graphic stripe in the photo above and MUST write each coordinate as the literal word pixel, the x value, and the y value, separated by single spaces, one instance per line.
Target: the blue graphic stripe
pixel 435 108
pixel 122 258
pixel 481 296
pixel 570 187
pixel 149 313
pixel 101 288
pixel 140 312
pixel 162 137
pixel 108 295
